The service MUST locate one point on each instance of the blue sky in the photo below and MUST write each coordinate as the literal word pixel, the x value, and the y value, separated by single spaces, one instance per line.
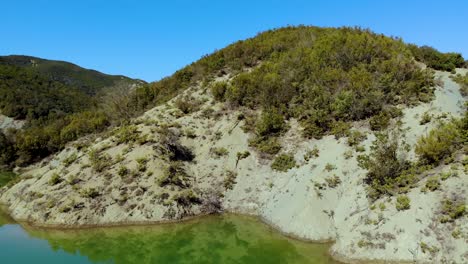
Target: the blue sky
pixel 152 39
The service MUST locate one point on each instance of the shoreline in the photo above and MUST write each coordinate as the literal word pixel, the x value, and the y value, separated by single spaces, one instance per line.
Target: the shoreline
pixel 337 257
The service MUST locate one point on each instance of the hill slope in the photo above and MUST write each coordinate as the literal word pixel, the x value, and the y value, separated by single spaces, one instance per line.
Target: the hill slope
pixel 42 95
pixel 326 134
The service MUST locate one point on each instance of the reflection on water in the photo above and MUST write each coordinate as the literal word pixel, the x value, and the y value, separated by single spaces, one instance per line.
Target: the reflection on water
pixel 213 239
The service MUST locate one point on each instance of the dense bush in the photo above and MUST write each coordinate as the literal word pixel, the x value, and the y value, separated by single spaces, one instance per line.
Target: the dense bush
pixel 271 123
pixel 437 60
pixel 283 162
pixel 38 141
pixel 218 89
pixel 440 143
pixel 403 203
pixel 385 166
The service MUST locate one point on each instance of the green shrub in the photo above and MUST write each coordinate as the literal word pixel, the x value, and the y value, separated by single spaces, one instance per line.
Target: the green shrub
pixel 175 174
pixel 283 162
pixel 425 118
pixel 127 134
pixel 69 160
pixel 440 143
pixel 355 138
pixel 55 179
pixel 385 166
pixel 219 152
pixel 340 129
pixel 463 81
pixel 99 161
pixel 432 184
pixel 426 248
pixel 267 145
pixel 270 123
pixel 452 209
pixel 89 193
pixel 7 177
pixel 380 121
pixel 187 104
pixel 437 60
pixel 218 89
pixel 402 203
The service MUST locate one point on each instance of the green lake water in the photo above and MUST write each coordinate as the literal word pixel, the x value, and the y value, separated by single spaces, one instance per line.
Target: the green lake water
pixel 212 239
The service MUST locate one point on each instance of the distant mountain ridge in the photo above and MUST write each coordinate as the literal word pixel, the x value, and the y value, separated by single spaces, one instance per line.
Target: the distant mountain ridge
pixel 56 101
pixel 88 80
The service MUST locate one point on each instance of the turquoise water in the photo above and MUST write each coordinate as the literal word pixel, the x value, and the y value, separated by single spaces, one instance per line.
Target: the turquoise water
pixel 213 239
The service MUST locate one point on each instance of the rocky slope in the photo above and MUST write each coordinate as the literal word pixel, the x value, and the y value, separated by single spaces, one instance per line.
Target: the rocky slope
pixel 168 165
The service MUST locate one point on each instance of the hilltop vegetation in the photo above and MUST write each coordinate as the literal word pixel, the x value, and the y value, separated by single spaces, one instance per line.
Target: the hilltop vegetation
pixel 324 77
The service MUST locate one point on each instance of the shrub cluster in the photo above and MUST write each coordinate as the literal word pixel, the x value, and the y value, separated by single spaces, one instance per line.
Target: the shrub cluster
pixel 385 166
pixel 436 59
pixel 283 162
pixel 439 144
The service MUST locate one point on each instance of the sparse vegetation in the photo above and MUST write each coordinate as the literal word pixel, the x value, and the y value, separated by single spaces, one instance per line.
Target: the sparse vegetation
pixel 242 155
pixel 333 181
pixel 425 118
pixel 219 152
pixel 463 81
pixel 432 184
pixel 175 174
pixel 55 179
pixel 452 209
pixel 89 193
pixel 230 180
pixel 99 161
pixel 329 167
pixel 426 248
pixel 313 153
pixel 141 164
pixel 69 160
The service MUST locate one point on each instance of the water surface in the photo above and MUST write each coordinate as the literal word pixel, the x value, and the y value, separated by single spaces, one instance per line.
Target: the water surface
pixel 213 239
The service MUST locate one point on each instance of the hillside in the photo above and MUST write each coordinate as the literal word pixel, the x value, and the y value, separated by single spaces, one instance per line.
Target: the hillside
pixel 42 95
pixel 326 134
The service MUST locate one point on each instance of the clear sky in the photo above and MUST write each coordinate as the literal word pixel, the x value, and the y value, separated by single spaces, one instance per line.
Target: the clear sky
pixel 152 39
